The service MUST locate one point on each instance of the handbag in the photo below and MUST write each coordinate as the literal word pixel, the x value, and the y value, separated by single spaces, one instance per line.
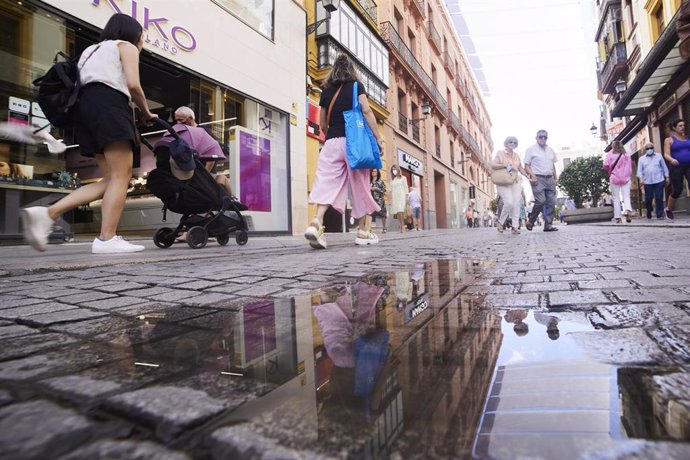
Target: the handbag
pixel 362 148
pixel 503 176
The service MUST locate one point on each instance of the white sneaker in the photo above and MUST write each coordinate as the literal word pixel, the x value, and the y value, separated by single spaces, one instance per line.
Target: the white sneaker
pixel 115 245
pixel 37 225
pixel 365 238
pixel 315 237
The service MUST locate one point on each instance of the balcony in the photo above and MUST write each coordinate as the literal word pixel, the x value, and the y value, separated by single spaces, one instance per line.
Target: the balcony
pixel 418 7
pixel 415 133
pixel 615 67
pixel 402 122
pixel 433 36
pixel 402 53
pixel 460 86
pixel 454 122
pixel 465 135
pixel 449 64
pixel 370 9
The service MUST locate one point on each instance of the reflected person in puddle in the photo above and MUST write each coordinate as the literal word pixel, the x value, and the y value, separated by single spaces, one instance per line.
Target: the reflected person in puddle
pixel 551 323
pixel 356 344
pixel 517 317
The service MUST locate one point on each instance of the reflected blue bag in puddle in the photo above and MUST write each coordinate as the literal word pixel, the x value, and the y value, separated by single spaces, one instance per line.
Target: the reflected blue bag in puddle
pixel 371 352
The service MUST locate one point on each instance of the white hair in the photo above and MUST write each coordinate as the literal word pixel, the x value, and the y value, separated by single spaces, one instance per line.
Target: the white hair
pixel 186 111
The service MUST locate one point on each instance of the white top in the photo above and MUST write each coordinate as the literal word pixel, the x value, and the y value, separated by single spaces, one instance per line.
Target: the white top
pixel 541 160
pixel 104 66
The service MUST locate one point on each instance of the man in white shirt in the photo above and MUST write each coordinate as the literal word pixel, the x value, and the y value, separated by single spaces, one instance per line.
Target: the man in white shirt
pixel 540 164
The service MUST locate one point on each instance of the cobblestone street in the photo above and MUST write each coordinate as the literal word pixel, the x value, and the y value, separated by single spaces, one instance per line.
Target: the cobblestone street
pixel 88 371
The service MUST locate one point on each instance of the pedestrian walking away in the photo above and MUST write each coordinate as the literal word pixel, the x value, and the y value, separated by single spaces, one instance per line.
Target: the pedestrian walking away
pixel 378 193
pixel 469 216
pixel 653 174
pixel 104 127
pixel 414 199
pixel 618 165
pixel 399 191
pixel 333 173
pixel 677 154
pixel 540 164
pixel 511 195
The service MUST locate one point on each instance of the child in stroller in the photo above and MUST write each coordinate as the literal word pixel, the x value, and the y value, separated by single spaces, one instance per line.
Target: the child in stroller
pixel 186 187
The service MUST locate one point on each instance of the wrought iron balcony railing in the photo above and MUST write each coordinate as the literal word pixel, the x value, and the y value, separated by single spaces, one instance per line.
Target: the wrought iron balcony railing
pixel 434 36
pixel 449 63
pixel 405 55
pixel 454 121
pixel 616 60
pixel 402 122
pixel 419 6
pixel 370 8
pixel 415 133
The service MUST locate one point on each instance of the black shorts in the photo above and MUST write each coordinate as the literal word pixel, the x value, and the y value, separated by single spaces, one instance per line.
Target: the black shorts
pixel 103 116
pixel 676 174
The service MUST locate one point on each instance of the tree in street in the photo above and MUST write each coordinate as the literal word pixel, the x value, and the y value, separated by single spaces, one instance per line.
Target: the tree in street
pixel 584 179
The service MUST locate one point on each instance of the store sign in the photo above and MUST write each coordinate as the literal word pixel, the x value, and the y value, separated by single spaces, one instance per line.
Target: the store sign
pixel 19 105
pixel 416 307
pixel 407 161
pixel 157 30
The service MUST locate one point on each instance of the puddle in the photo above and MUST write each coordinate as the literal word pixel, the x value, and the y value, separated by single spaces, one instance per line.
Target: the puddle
pixel 398 365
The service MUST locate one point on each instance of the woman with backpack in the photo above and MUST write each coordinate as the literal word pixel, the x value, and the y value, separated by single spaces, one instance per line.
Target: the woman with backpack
pixel 104 125
pixel 333 174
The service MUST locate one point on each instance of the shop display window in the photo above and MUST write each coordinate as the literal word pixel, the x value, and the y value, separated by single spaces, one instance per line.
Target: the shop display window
pixel 254 136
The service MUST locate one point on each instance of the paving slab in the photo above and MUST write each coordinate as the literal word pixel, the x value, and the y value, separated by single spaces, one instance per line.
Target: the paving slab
pixel 39 430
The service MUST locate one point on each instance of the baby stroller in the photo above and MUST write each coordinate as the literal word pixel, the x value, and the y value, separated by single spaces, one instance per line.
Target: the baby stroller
pixel 207 210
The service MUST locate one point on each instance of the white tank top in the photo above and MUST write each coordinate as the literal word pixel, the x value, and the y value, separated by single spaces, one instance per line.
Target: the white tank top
pixel 104 66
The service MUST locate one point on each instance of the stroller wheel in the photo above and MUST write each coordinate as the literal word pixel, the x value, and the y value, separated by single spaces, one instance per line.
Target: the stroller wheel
pixel 164 237
pixel 197 237
pixel 241 238
pixel 223 239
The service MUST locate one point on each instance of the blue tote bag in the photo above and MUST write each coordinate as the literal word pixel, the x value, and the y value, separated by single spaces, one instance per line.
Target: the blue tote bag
pixel 362 149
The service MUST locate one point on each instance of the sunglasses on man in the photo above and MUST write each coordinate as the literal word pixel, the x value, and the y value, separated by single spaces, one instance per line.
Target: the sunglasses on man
pixel 542 137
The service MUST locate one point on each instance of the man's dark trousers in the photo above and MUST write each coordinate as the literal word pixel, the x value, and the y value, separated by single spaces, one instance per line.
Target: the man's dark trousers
pixel 654 192
pixel 544 192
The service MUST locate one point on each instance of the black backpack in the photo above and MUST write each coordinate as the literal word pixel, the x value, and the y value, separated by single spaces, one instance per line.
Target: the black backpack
pixel 58 89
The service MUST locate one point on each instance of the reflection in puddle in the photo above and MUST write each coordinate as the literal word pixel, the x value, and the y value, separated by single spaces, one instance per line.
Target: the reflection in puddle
pixel 396 364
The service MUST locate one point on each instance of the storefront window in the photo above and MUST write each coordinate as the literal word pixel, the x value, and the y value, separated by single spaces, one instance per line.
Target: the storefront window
pixel 252 135
pixel 257 14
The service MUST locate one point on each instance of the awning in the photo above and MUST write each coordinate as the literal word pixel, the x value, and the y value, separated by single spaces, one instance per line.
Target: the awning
pixel 630 130
pixel 658 68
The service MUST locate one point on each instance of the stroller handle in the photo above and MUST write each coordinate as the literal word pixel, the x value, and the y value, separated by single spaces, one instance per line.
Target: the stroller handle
pixel 160 123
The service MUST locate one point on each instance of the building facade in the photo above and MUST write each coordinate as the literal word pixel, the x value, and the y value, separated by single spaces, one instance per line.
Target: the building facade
pixel 644 83
pixel 240 69
pixel 353 29
pixel 439 130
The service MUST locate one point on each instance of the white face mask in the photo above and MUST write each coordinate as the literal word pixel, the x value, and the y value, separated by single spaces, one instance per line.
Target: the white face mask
pixel 395 172
pixel 649 152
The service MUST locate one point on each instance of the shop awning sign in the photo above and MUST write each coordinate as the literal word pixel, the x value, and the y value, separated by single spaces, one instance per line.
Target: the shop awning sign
pixel 181 38
pixel 407 161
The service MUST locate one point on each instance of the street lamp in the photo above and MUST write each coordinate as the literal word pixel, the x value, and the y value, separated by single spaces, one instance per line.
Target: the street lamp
pixel 621 86
pixel 593 129
pixel 330 6
pixel 426 111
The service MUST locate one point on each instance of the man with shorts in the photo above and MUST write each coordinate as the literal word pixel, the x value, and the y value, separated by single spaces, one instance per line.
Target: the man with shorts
pixel 414 199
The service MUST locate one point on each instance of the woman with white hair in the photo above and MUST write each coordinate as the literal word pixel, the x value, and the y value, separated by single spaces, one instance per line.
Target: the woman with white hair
pixel 510 194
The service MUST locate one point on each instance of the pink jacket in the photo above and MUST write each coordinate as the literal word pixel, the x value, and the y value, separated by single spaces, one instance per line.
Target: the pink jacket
pixel 623 171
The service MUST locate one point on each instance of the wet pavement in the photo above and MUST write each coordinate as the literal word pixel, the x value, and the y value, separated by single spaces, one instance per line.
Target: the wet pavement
pixel 433 347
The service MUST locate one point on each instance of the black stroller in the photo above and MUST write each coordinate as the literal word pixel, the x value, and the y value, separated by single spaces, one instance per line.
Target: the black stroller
pixel 207 210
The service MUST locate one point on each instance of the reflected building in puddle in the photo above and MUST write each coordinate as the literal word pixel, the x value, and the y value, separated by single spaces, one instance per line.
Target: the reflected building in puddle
pixel 419 360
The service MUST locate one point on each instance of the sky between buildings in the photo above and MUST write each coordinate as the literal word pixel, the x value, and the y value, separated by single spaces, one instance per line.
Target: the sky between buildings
pixel 536 58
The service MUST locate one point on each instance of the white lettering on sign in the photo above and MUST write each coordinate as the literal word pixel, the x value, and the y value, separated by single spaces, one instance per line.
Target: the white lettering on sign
pixel 422 304
pixel 407 161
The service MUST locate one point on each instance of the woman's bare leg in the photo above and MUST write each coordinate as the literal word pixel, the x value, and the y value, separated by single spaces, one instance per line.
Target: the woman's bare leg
pixel 83 195
pixel 118 157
